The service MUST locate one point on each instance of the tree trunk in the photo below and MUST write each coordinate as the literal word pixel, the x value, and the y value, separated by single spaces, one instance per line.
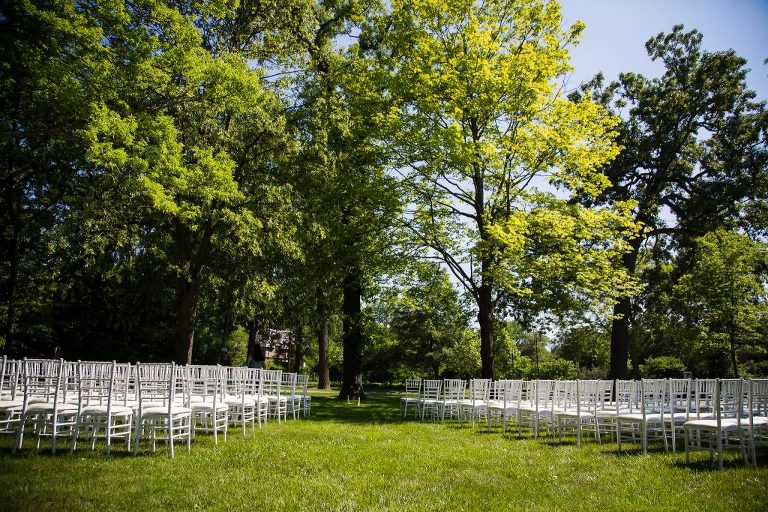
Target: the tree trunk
pixel 352 374
pixel 622 312
pixel 188 287
pixel 186 310
pixel 734 358
pixel 485 319
pixel 323 374
pixel 299 349
pixel 254 326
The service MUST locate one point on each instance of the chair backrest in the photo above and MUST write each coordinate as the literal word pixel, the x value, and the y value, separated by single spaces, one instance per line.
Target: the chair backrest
pixel 431 389
pixel 545 390
pixel 272 381
pixel 42 379
pixel 590 395
pixel 288 383
pixel 729 399
pixel 412 388
pixel 680 396
pixel 302 384
pixel 95 383
pixel 156 383
pixel 479 390
pixel 564 395
pixel 204 382
pixel 703 399
pixel 627 395
pixel 453 389
pixel 653 396
pixel 10 378
pixel 758 401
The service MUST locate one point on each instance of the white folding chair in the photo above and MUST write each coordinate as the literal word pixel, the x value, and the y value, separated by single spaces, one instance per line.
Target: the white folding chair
pixel 757 423
pixel 46 408
pixel 453 392
pixel 11 398
pixel 648 422
pixel 430 397
pixel 239 396
pixel 205 396
pixel 288 390
pixel 412 394
pixel 475 405
pixel 725 429
pixel 278 402
pixel 302 384
pixel 679 400
pixel 100 413
pixel 160 417
pixel 579 406
pixel 506 402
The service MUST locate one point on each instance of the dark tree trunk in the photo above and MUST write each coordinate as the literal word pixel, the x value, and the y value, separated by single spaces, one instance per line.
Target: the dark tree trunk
pixel 254 327
pixel 352 373
pixel 12 287
pixel 298 351
pixel 734 357
pixel 323 374
pixel 622 312
pixel 186 310
pixel 188 287
pixel 485 309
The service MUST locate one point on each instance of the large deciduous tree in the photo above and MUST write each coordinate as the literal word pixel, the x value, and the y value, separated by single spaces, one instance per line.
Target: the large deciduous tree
pixel 484 136
pixel 694 152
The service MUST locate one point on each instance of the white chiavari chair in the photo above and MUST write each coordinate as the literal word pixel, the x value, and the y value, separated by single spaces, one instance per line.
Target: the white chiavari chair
pixel 239 397
pixel 46 408
pixel 160 417
pixel 412 394
pixel 205 396
pixel 648 422
pixel 11 399
pixel 102 411
pixel 724 429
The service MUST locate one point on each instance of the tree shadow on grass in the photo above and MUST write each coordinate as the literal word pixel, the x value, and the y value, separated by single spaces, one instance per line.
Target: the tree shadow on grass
pixel 376 408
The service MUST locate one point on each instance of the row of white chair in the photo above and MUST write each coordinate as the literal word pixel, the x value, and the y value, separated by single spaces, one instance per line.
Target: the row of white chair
pixel 58 399
pixel 710 414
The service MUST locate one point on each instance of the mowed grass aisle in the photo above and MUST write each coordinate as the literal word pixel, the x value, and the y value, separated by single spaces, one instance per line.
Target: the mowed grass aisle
pixel 346 457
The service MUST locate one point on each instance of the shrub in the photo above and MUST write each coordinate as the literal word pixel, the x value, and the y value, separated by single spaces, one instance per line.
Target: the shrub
pixel 662 367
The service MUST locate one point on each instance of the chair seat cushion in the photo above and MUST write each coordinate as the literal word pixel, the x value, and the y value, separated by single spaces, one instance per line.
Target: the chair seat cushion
pixel 163 411
pixel 240 402
pixel 48 407
pixel 117 410
pixel 637 417
pixel 208 406
pixel 9 405
pixel 726 424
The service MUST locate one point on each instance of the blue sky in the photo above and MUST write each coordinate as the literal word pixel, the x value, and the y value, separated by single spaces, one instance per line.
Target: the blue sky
pixel 614 40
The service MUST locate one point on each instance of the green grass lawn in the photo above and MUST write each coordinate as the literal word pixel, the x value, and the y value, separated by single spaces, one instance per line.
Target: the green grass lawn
pixel 346 457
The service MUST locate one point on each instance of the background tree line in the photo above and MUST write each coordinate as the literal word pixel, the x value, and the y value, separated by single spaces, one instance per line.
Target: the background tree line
pixel 407 187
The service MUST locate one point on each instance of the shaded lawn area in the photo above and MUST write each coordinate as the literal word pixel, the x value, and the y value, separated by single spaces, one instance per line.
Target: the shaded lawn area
pixel 346 457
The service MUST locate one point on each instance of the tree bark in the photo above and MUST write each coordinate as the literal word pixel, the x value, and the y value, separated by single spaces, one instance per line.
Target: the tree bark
pixel 188 286
pixel 323 374
pixel 352 373
pixel 622 312
pixel 298 349
pixel 485 309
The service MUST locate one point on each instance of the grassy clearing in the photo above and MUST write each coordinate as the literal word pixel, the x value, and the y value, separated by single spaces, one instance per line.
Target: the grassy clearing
pixel 346 457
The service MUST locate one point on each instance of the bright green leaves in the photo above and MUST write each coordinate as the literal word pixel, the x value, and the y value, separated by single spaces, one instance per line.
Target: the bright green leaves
pixel 490 136
pixel 559 249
